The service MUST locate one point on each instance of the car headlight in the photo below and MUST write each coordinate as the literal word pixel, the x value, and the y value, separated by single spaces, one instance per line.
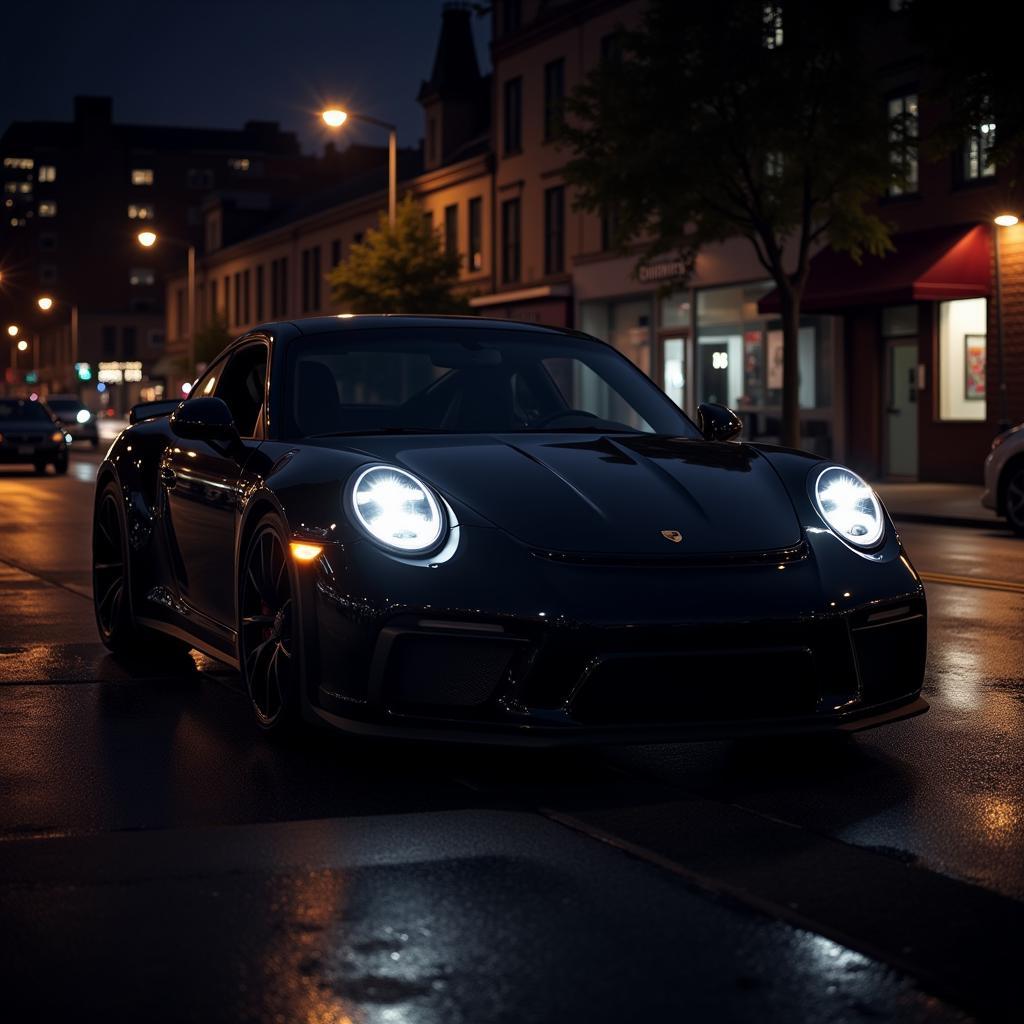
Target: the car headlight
pixel 57 435
pixel 849 506
pixel 83 416
pixel 397 510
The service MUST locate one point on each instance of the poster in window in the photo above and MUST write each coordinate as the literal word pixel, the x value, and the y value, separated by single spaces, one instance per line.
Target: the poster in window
pixel 974 365
pixel 774 353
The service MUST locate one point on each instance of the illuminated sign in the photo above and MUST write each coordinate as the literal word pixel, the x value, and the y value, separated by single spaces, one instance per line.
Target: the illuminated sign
pixel 120 373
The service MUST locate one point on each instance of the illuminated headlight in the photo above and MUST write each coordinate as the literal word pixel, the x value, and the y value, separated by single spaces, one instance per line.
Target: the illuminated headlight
pixel 83 416
pixel 57 435
pixel 849 506
pixel 396 509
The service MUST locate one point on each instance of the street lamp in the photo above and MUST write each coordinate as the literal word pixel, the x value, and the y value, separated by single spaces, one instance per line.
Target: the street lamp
pixel 46 303
pixel 1003 220
pixel 13 330
pixel 147 239
pixel 334 117
pixel 22 345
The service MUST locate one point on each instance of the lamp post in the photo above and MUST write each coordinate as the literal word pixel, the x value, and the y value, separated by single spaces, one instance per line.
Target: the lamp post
pixel 334 117
pixel 46 303
pixel 1004 220
pixel 147 239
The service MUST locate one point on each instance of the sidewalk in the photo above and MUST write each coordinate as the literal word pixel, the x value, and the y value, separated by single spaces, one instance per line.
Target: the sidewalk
pixel 941 504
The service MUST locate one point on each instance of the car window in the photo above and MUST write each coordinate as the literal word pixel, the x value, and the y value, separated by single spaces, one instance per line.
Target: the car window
pixel 64 404
pixel 13 409
pixel 468 380
pixel 241 386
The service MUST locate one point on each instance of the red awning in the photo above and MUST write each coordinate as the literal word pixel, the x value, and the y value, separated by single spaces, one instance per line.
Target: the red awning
pixel 939 263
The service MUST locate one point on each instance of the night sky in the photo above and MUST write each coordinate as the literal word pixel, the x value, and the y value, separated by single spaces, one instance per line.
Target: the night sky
pixel 219 63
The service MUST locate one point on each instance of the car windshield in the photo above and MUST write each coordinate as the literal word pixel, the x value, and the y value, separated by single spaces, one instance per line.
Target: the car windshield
pixel 12 409
pixel 64 404
pixel 467 380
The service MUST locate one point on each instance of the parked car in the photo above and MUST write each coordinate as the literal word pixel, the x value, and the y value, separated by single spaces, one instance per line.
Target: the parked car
pixel 78 421
pixel 30 433
pixel 470 529
pixel 1004 477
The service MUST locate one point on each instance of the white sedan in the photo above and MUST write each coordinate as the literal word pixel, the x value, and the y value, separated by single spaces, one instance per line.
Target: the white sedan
pixel 1004 477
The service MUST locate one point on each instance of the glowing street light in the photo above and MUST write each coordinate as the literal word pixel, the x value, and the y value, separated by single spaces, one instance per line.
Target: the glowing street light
pixel 147 239
pixel 22 345
pixel 13 330
pixel 45 303
pixel 1006 220
pixel 335 117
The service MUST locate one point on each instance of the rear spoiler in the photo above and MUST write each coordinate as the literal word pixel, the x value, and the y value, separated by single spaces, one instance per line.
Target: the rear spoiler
pixel 151 410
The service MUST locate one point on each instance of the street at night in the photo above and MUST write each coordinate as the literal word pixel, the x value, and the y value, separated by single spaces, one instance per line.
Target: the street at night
pixel 162 858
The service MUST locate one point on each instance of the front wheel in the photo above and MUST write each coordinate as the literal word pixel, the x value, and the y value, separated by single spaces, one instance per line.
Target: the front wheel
pixel 1014 499
pixel 269 627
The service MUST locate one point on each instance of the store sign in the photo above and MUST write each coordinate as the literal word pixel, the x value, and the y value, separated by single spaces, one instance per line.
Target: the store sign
pixel 664 271
pixel 120 373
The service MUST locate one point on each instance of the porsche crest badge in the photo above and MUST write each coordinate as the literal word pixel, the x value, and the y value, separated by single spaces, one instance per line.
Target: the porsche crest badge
pixel 673 535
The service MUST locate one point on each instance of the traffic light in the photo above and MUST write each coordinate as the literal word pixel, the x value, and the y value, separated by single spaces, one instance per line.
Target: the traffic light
pixel 83 371
pixel 32 377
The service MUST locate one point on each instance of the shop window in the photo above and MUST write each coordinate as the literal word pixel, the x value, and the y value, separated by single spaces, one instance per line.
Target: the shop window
pixel 675 309
pixel 674 369
pixel 899 322
pixel 625 324
pixel 963 326
pixel 978 161
pixel 903 126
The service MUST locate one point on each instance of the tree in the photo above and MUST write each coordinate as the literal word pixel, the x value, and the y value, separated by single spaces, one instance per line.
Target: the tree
pixel 402 269
pixel 723 120
pixel 211 339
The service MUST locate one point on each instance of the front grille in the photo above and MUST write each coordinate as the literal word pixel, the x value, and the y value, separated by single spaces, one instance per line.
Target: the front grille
pixel 890 658
pixel 699 685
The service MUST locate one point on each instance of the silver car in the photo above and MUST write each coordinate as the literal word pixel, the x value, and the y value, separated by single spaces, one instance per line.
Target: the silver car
pixel 1004 477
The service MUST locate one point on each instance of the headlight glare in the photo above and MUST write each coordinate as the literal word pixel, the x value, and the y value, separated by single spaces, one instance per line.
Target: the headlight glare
pixel 57 435
pixel 83 416
pixel 397 510
pixel 849 506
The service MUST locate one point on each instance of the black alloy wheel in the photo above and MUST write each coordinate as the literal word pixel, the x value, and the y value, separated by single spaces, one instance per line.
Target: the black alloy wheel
pixel 109 571
pixel 1014 499
pixel 268 627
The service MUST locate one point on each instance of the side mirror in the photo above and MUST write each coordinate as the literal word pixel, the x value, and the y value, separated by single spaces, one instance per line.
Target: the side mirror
pixel 151 410
pixel 205 419
pixel 718 422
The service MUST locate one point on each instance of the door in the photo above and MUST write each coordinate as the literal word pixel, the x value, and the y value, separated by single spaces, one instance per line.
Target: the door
pixel 204 482
pixel 901 410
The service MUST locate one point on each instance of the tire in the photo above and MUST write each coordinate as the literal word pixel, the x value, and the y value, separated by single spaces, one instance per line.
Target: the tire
pixel 60 467
pixel 269 628
pixel 1013 499
pixel 111 585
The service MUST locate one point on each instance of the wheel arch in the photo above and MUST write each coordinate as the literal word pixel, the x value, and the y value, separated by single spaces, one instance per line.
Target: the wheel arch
pixel 1013 464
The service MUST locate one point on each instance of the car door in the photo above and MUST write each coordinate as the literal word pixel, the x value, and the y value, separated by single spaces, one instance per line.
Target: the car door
pixel 203 483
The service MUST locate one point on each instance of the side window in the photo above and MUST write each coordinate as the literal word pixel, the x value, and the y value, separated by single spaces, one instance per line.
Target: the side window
pixel 241 386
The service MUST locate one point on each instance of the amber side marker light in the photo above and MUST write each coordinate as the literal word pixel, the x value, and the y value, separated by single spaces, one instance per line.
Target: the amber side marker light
pixel 305 552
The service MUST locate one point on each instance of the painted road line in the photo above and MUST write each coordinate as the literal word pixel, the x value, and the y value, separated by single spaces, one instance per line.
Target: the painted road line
pixel 1007 586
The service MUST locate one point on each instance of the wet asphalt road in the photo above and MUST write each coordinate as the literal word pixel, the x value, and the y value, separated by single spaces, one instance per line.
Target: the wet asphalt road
pixel 159 860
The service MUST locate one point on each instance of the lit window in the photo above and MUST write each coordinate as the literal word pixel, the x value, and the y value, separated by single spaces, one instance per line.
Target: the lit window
pixel 17 222
pixel 47 208
pixel 10 186
pixel 19 163
pixel 963 326
pixel 140 211
pixel 903 117
pixel 142 176
pixel 47 172
pixel 141 276
pixel 771 26
pixel 25 188
pixel 239 164
pixel 978 161
pixel 773 165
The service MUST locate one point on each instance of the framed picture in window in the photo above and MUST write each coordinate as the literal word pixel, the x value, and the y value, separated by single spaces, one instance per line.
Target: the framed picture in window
pixel 974 367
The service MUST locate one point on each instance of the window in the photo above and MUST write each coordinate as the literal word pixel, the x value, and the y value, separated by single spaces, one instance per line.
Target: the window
pixel 47 208
pixel 246 280
pixel 428 219
pixel 554 95
pixel 227 298
pixel 335 252
pixel 128 338
pixel 510 253
pixel 963 329
pixel 239 319
pixel 142 175
pixel 212 309
pixel 611 48
pixel 199 177
pixel 774 164
pixel 47 241
pixel 512 16
pixel 241 387
pixel 47 273
pixel 259 293
pixel 109 336
pixel 513 115
pixel 771 26
pixel 311 279
pixel 239 164
pixel 141 276
pixel 903 144
pixel 978 162
pixel 19 163
pixel 554 230
pixel 476 227
pixel 47 172
pixel 451 229
pixel 141 211
pixel 279 288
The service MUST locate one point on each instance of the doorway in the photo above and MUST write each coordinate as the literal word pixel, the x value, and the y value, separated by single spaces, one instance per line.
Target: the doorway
pixel 901 409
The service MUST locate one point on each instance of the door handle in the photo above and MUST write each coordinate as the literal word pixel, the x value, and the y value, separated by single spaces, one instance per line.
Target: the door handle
pixel 168 477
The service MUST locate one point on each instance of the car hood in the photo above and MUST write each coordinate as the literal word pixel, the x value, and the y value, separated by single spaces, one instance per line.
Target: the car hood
pixel 573 493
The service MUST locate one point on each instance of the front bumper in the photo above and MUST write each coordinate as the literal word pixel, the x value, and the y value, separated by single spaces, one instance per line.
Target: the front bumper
pixel 627 654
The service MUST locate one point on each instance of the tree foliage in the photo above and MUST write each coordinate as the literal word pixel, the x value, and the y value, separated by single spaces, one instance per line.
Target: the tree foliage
pixel 718 121
pixel 403 269
pixel 211 339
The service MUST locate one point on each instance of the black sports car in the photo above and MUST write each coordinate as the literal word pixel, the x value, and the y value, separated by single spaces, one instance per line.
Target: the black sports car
pixel 473 529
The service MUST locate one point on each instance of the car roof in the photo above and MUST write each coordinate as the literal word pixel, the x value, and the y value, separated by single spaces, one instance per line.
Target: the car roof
pixel 360 321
